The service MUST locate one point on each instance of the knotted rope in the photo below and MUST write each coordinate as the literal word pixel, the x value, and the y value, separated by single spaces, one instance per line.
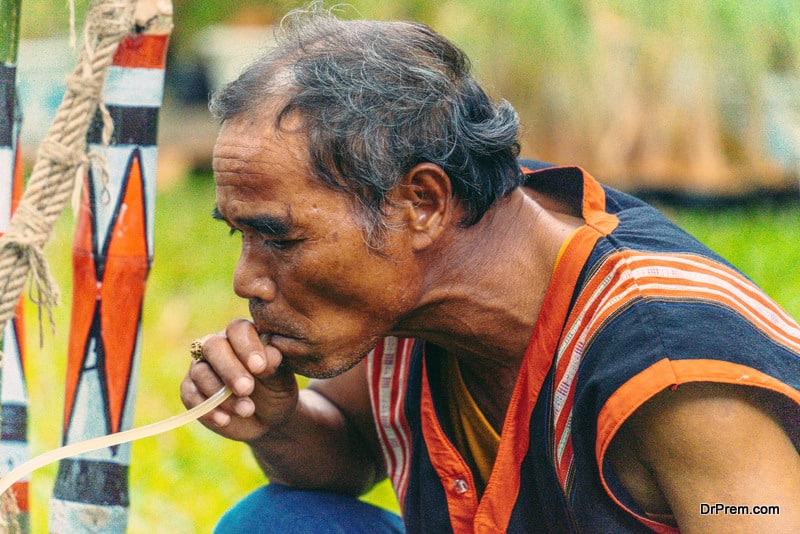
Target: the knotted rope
pixel 60 161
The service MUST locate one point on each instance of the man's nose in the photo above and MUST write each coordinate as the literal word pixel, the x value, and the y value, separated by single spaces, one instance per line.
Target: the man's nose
pixel 251 278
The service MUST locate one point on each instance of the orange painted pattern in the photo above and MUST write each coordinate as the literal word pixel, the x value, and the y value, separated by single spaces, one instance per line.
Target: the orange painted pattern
pixel 86 293
pixel 123 291
pixel 119 294
pixel 142 51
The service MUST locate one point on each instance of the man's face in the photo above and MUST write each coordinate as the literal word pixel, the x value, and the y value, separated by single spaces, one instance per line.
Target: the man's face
pixel 312 282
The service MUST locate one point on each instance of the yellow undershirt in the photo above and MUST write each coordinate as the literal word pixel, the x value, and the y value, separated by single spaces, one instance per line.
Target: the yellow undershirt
pixel 474 436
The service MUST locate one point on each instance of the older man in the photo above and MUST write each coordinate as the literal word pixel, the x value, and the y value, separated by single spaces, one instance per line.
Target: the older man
pixel 518 348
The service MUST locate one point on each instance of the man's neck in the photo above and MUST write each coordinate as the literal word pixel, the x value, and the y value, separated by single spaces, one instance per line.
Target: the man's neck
pixel 486 284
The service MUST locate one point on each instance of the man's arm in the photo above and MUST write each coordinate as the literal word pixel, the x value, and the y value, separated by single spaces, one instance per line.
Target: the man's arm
pixel 712 444
pixel 331 443
pixel 321 437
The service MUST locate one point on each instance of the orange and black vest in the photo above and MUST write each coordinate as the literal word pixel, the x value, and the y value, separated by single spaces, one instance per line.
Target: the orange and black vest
pixel 635 306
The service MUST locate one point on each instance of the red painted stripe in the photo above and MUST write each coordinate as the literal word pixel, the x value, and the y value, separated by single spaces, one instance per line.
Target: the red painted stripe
pixel 21 491
pixel 85 295
pixel 123 289
pixel 142 51
pixel 17 189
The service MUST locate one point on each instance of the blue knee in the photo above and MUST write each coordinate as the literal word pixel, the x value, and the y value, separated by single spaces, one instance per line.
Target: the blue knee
pixel 276 508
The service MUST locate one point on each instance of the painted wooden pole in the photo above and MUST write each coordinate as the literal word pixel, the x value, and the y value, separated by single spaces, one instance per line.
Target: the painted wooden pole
pixel 9 30
pixel 112 255
pixel 13 394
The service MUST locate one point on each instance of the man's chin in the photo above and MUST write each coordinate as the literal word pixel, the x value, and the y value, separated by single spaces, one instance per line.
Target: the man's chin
pixel 318 369
pixel 314 365
pixel 313 361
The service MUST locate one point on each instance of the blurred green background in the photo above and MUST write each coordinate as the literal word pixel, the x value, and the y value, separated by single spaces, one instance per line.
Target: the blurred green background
pixel 664 97
pixel 700 95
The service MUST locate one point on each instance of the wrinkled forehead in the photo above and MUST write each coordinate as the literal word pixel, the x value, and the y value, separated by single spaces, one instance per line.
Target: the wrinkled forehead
pixel 260 170
pixel 251 143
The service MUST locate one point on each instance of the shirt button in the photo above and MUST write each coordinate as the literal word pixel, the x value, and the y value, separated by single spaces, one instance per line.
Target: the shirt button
pixel 460 486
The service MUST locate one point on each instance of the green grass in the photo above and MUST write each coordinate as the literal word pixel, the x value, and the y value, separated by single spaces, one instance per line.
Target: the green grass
pixel 182 481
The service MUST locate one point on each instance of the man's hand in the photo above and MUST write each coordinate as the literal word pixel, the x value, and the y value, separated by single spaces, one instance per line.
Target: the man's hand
pixel 264 394
pixel 322 437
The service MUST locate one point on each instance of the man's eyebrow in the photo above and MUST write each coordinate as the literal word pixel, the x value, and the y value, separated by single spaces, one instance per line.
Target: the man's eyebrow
pixel 271 225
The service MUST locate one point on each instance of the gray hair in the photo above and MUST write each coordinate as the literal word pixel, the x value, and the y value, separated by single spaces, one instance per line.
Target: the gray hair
pixel 375 99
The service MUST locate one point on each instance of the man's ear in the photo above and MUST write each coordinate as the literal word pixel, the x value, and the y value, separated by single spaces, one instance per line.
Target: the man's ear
pixel 425 197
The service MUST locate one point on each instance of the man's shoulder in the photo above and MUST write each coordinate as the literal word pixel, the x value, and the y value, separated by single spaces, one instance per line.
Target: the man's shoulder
pixel 709 442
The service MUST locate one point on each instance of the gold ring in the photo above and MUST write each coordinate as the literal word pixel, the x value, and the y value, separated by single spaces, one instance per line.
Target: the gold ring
pixel 196 350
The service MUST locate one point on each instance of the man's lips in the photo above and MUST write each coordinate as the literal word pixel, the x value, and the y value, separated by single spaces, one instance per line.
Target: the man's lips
pixel 267 329
pixel 269 322
pixel 279 340
pixel 290 348
pixel 267 335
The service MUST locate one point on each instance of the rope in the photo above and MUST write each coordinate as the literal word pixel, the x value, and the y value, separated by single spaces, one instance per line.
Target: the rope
pixel 60 161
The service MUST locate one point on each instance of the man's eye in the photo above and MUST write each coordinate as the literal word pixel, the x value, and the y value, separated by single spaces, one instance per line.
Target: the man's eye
pixel 279 244
pixel 273 244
